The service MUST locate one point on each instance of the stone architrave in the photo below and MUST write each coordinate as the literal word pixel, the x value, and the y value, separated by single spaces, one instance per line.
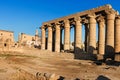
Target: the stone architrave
pixel 117 34
pixel 109 45
pixel 67 35
pixel 49 46
pixel 92 33
pixel 101 35
pixel 43 39
pixel 78 34
pixel 57 38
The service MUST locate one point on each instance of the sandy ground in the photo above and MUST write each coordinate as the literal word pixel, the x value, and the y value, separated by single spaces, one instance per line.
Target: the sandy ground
pixel 63 64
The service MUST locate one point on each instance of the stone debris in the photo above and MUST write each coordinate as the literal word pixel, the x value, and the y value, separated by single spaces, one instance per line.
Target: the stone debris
pixel 46 76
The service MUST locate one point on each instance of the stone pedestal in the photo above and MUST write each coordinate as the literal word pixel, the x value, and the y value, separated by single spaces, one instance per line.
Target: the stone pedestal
pixel 92 34
pixel 43 39
pixel 78 35
pixel 67 35
pixel 57 38
pixel 117 34
pixel 49 46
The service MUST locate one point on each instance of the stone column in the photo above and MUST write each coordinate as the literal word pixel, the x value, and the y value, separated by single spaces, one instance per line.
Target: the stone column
pixel 36 35
pixel 61 44
pixel 109 45
pixel 92 33
pixel 49 46
pixel 78 34
pixel 57 38
pixel 43 38
pixel 117 34
pixel 101 35
pixel 86 25
pixel 67 35
pixel 86 37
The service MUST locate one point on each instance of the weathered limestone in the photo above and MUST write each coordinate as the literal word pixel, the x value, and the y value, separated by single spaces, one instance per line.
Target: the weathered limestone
pixel 47 76
pixel 78 34
pixel 92 33
pixel 43 39
pixel 117 34
pixel 2 44
pixel 104 15
pixel 67 35
pixel 49 46
pixel 109 48
pixel 6 40
pixel 101 35
pixel 57 40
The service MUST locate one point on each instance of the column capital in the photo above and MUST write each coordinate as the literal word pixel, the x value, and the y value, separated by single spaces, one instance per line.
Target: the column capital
pixel 110 11
pixel 66 23
pixel 110 14
pixel 42 27
pixel 117 20
pixel 91 15
pixel 77 19
pixel 57 26
pixel 92 18
pixel 118 17
pixel 100 19
pixel 49 26
pixel 85 21
pixel 57 23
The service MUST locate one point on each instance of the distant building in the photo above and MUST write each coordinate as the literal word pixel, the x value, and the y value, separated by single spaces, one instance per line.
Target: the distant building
pixel 6 40
pixel 29 40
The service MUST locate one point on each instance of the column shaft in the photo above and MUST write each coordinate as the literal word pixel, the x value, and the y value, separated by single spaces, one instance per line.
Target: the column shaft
pixel 43 39
pixel 92 34
pixel 101 37
pixel 109 48
pixel 117 34
pixel 67 35
pixel 61 44
pixel 86 37
pixel 78 35
pixel 49 39
pixel 57 38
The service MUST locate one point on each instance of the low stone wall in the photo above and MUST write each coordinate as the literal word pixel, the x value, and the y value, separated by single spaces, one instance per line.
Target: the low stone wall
pixel 85 56
pixel 48 54
pixel 40 53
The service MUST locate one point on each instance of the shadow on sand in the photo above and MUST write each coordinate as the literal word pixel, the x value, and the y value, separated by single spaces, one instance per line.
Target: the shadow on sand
pixel 101 77
pixel 109 58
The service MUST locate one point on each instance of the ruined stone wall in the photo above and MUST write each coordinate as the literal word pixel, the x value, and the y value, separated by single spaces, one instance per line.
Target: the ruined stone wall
pixel 6 40
pixel 26 37
pixel 7 35
pixel 28 40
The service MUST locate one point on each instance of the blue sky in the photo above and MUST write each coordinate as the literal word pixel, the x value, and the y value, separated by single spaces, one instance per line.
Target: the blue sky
pixel 27 15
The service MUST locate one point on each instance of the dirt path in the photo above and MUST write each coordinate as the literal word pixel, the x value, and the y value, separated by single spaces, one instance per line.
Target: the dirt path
pixel 70 69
